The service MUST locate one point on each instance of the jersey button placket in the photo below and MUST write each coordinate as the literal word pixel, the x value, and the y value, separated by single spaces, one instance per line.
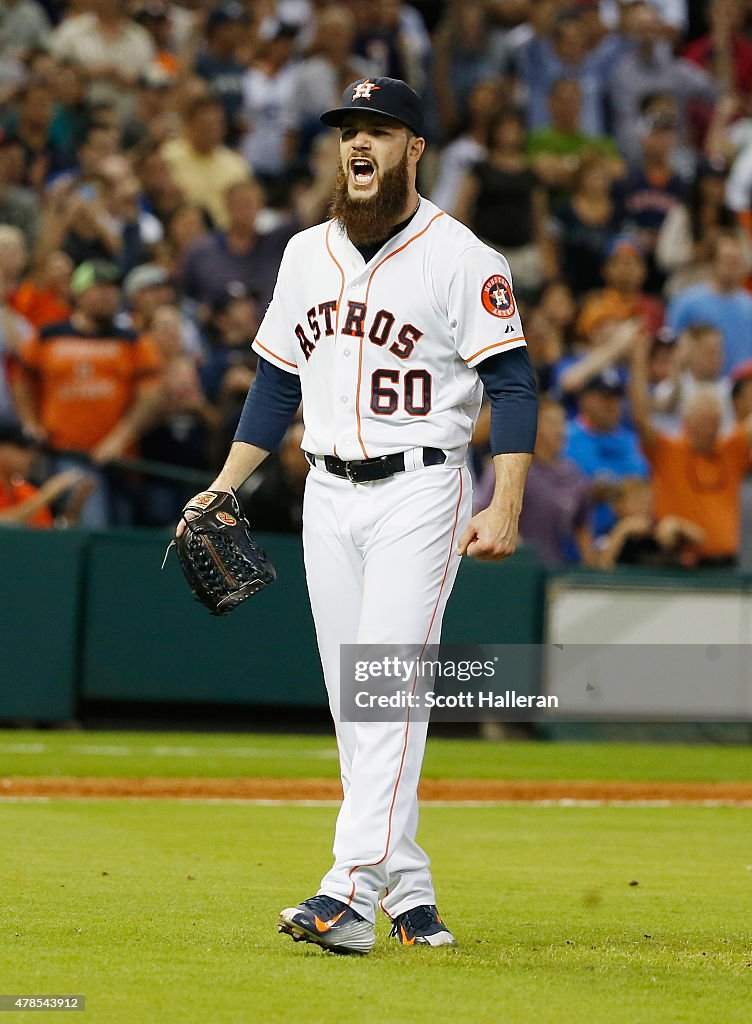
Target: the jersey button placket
pixel 346 380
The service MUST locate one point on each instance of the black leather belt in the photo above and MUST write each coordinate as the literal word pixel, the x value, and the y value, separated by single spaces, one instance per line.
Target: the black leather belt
pixel 364 471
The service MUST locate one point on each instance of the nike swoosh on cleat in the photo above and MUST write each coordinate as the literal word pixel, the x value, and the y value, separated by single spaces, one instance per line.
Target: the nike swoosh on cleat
pixel 324 926
pixel 405 940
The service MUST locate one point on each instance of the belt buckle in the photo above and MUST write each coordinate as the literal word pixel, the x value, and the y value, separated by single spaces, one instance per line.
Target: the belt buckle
pixel 349 472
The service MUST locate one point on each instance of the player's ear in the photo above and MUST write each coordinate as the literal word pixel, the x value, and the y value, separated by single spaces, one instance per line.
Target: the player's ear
pixel 416 147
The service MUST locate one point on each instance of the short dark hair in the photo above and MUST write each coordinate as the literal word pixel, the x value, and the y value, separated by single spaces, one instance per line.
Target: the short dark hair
pixel 564 20
pixel 650 98
pixel 206 217
pixel 506 114
pixel 697 331
pixel 739 385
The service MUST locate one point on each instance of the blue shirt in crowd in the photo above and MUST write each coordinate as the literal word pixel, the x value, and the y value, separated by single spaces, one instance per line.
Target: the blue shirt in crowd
pixel 610 456
pixel 730 312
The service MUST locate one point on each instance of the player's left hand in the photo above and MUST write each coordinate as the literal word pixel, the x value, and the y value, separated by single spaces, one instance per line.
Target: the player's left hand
pixel 490 536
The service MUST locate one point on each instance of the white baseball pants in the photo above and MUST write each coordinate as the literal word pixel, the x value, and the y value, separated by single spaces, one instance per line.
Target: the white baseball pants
pixel 381 560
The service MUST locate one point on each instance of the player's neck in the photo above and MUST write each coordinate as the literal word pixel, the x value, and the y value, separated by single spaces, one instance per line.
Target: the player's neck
pixel 408 212
pixel 368 251
pixel 410 208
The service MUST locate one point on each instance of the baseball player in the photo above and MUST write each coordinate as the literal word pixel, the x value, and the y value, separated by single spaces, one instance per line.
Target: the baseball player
pixel 387 320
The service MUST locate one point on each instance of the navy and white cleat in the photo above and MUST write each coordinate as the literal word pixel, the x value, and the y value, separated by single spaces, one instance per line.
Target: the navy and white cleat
pixel 328 923
pixel 421 926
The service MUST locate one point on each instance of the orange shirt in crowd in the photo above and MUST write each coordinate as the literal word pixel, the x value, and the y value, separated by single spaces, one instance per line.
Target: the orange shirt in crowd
pixel 15 493
pixel 608 304
pixel 40 306
pixel 85 384
pixel 702 488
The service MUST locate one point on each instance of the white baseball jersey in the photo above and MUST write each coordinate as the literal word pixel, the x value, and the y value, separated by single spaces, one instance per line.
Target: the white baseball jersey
pixel 385 349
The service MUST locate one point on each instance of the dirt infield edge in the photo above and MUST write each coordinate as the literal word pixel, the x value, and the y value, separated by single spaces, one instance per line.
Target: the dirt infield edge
pixel 444 790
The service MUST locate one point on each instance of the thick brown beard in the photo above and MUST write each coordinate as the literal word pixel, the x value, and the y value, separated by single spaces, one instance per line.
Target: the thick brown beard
pixel 370 220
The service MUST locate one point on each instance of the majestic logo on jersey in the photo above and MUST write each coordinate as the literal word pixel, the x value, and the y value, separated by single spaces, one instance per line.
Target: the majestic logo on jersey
pixel 497 297
pixel 364 89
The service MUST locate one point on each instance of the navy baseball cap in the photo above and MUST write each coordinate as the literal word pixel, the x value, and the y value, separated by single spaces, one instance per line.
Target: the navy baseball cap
pixel 608 382
pixel 225 14
pixel 92 272
pixel 234 291
pixel 387 97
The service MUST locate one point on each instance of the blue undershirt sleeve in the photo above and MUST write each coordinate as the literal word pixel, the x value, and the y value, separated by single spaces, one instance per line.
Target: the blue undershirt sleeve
pixel 270 407
pixel 509 380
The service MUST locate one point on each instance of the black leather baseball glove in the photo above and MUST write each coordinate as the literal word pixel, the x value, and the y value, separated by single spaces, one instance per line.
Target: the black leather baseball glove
pixel 218 556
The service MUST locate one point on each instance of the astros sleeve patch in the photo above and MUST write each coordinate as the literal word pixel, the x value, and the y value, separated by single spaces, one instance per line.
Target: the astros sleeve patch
pixel 497 297
pixel 482 307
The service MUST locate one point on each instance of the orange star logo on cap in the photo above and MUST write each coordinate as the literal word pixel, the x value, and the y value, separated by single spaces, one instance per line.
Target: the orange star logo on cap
pixel 364 89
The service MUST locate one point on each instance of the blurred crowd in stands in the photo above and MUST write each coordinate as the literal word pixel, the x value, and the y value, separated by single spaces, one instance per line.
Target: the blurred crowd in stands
pixel 155 158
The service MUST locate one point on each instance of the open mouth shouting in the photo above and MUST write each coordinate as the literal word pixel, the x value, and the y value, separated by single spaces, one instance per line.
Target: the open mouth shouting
pixel 362 171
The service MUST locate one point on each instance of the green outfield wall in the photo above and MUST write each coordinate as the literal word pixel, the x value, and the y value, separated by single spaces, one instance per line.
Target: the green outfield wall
pixel 92 617
pixel 146 639
pixel 40 624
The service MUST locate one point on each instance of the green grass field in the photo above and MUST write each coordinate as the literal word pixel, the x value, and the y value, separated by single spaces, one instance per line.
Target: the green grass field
pixel 165 911
pixel 214 755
